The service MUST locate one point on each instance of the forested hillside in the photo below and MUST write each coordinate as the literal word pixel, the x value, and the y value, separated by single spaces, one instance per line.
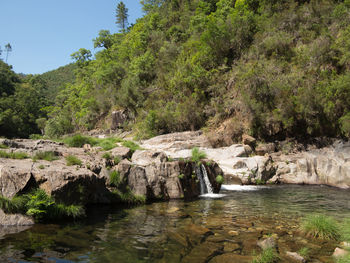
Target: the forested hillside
pixel 271 68
pixel 26 99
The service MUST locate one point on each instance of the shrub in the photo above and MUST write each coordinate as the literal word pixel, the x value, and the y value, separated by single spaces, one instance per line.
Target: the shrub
pixel 267 256
pixel 13 155
pixel 47 156
pixel 181 176
pixel 114 178
pixel 35 136
pixel 197 155
pixel 79 141
pixel 321 226
pixel 131 145
pixel 219 179
pixel 73 160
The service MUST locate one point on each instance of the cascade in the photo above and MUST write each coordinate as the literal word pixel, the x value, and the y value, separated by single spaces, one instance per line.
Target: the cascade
pixel 206 180
pixel 203 188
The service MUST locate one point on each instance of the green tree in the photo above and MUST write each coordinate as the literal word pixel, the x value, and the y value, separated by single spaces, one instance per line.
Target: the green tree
pixel 122 16
pixel 8 49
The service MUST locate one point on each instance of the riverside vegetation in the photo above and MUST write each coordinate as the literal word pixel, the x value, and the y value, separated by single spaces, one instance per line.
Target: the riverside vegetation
pixel 274 69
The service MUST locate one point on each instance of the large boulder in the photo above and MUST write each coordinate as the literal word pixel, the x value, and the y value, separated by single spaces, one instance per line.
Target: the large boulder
pixel 329 165
pixel 118 118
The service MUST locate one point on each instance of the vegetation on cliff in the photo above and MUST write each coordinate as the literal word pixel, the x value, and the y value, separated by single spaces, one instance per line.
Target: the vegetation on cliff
pixel 269 68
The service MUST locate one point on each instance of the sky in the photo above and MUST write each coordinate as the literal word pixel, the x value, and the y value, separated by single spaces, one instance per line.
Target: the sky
pixel 44 33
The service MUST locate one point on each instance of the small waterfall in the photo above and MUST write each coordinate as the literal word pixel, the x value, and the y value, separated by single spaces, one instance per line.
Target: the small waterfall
pixel 203 188
pixel 206 180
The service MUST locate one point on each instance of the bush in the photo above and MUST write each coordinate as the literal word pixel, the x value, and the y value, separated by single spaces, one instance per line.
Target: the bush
pixel 47 156
pixel 13 155
pixel 79 141
pixel 267 256
pixel 219 179
pixel 197 155
pixel 321 226
pixel 73 160
pixel 35 136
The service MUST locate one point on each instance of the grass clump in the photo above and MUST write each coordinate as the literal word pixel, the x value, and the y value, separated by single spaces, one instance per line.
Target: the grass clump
pixel 345 259
pixel 304 252
pixel 321 226
pixel 13 155
pixel 219 179
pixel 107 156
pixel 116 160
pixel 79 140
pixel 3 146
pixel 260 182
pixel 47 156
pixel 345 230
pixel 267 256
pixel 73 160
pixel 114 178
pixel 128 198
pixel 197 155
pixel 133 146
pixel 40 206
pixel 41 166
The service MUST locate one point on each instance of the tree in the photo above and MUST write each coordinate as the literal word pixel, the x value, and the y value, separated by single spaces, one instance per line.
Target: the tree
pixel 150 5
pixel 8 49
pixel 82 56
pixel 122 16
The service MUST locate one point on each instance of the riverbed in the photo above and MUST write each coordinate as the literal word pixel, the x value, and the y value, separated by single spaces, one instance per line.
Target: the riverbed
pixel 222 228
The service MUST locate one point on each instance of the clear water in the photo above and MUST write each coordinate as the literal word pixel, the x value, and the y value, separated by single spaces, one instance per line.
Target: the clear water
pixel 178 231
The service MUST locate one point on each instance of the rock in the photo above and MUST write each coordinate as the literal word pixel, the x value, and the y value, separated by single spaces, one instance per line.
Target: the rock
pixel 203 253
pixel 339 252
pixel 295 256
pixel 147 157
pixel 118 118
pixel 267 243
pixel 230 258
pixel 248 140
pixel 329 165
pixel 15 219
pixel 262 149
pixel 233 233
pixel 121 152
pixel 230 247
pixel 69 185
pixel 15 175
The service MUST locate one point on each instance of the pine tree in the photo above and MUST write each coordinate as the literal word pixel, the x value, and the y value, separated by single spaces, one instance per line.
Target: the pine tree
pixel 122 16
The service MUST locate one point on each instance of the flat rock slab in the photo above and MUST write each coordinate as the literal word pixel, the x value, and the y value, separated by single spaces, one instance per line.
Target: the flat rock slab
pixel 15 220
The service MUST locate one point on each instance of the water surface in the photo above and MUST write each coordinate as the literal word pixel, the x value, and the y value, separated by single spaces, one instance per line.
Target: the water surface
pixel 197 231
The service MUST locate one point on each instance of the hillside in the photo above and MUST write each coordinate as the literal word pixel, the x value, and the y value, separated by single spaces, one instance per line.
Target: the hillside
pixel 273 69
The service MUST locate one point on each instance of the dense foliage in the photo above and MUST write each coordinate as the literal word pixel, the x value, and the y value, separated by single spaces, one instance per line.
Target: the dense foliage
pixel 24 100
pixel 271 68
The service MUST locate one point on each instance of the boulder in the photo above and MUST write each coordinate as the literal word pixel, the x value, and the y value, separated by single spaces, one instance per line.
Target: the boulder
pixel 145 157
pixel 248 140
pixel 263 149
pixel 121 152
pixel 15 219
pixel 295 257
pixel 118 118
pixel 267 243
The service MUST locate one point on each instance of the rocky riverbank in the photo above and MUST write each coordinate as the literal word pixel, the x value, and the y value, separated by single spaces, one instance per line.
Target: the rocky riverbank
pixel 95 176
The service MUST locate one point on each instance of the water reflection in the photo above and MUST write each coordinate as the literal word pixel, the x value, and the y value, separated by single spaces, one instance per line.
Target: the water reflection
pixel 168 231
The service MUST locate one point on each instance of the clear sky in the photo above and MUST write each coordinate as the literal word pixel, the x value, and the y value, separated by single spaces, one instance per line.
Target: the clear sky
pixel 44 33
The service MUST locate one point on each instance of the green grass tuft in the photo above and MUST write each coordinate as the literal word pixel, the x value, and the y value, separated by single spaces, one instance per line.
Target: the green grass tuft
pixel 321 226
pixel 345 259
pixel 41 166
pixel 219 179
pixel 73 160
pixel 13 155
pixel 47 156
pixel 79 141
pixel 114 178
pixel 267 256
pixel 3 146
pixel 107 156
pixel 133 146
pixel 128 198
pixel 304 252
pixel 116 160
pixel 197 155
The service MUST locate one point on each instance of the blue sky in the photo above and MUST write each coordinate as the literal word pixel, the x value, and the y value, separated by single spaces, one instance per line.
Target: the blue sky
pixel 44 33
